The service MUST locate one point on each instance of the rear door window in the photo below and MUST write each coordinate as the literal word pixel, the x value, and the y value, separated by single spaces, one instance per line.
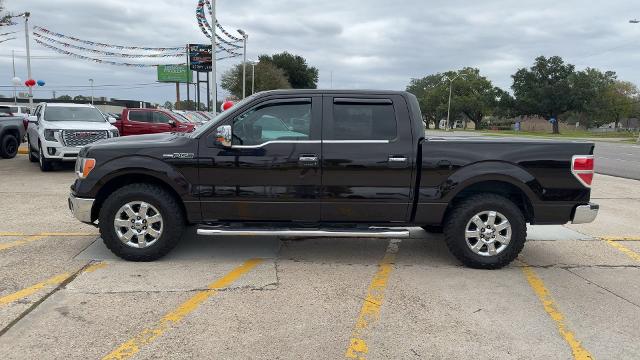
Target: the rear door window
pixel 360 120
pixel 140 116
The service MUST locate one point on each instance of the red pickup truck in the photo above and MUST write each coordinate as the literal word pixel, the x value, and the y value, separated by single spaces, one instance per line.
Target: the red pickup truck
pixel 150 121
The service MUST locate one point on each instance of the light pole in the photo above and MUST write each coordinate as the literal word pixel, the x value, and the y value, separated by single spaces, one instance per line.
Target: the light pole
pixel 91 81
pixel 245 37
pixel 214 84
pixel 253 77
pixel 26 39
pixel 451 80
pixel 635 21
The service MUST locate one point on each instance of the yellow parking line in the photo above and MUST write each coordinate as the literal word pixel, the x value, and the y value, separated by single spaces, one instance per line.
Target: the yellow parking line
pixel 630 253
pixel 47 234
pixel 370 311
pixel 621 238
pixel 53 281
pixel 536 283
pixel 26 240
pixel 148 335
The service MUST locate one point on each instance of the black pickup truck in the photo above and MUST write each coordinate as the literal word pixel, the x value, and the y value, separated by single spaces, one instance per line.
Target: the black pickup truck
pixel 334 164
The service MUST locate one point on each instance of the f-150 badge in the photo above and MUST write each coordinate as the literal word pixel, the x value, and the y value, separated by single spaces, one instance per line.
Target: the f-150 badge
pixel 179 156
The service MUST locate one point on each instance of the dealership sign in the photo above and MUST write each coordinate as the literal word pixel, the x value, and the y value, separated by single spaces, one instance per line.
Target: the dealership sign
pixel 174 73
pixel 200 57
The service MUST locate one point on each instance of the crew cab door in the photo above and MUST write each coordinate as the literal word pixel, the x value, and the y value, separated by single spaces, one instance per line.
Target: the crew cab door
pixel 272 170
pixel 367 159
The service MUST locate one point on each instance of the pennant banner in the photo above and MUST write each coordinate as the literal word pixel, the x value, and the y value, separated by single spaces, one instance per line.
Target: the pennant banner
pixel 98 44
pixel 234 38
pixel 101 61
pixel 106 53
pixel 203 23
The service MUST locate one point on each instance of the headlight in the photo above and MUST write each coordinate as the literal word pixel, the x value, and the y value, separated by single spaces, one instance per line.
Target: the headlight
pixel 84 167
pixel 50 135
pixel 114 133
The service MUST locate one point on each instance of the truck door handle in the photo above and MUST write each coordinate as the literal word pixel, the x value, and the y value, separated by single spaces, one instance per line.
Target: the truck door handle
pixel 308 160
pixel 397 161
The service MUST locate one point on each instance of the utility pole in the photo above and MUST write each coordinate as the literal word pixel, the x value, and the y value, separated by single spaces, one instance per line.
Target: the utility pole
pixel 26 38
pixel 451 80
pixel 253 77
pixel 91 81
pixel 214 83
pixel 13 59
pixel 635 21
pixel 245 37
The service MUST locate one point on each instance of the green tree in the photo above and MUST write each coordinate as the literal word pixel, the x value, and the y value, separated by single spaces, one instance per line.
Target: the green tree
pixel 268 77
pixel 64 97
pixel 473 95
pixel 620 99
pixel 168 105
pixel 299 74
pixel 81 98
pixel 545 89
pixel 589 94
pixel 188 105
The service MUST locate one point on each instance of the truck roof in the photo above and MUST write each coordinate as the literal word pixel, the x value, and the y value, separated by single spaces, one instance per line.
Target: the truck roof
pixel 333 91
pixel 68 105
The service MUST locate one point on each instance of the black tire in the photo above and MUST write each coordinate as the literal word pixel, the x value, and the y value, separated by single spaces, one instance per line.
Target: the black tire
pixel 172 217
pixel 9 146
pixel 45 165
pixel 32 157
pixel 433 229
pixel 456 226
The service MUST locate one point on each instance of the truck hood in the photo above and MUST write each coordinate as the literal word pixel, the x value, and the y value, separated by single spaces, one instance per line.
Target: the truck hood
pixel 143 140
pixel 154 145
pixel 78 125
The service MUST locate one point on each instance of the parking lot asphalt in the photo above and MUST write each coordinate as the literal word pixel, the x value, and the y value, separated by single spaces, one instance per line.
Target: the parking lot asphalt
pixel 574 293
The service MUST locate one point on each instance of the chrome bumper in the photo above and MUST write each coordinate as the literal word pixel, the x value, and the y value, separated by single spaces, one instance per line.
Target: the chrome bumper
pixel 81 208
pixel 585 213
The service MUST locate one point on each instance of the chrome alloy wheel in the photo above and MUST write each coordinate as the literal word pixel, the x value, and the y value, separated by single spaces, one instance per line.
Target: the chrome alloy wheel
pixel 488 233
pixel 138 224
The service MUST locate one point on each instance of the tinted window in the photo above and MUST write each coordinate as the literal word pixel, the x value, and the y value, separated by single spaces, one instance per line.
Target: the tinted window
pixel 363 122
pixel 5 111
pixel 60 113
pixel 141 116
pixel 161 118
pixel 272 122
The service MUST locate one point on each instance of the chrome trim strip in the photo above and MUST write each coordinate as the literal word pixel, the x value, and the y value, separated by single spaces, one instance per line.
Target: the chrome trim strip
pixel 372 233
pixel 585 213
pixel 310 142
pixel 276 142
pixel 355 141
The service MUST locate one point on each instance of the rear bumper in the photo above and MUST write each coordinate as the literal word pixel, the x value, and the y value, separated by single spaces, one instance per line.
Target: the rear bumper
pixel 585 213
pixel 81 208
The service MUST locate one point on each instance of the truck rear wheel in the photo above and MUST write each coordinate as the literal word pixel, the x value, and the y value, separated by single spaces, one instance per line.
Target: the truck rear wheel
pixel 9 146
pixel 485 231
pixel 141 222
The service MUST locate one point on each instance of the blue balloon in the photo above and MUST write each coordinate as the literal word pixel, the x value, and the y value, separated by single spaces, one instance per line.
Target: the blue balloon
pixel 40 82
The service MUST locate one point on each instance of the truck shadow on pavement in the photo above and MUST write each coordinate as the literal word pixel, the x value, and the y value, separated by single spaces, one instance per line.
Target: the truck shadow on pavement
pixel 421 249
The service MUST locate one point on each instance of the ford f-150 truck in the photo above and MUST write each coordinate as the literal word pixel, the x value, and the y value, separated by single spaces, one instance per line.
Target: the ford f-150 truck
pixel 150 121
pixel 329 164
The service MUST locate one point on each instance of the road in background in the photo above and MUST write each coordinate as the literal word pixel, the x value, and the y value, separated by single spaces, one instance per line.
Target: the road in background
pixel 616 159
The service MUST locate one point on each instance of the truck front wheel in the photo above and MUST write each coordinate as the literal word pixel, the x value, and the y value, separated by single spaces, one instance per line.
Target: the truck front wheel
pixel 141 222
pixel 485 231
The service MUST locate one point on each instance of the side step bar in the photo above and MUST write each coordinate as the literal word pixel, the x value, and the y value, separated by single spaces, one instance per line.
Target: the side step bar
pixel 283 232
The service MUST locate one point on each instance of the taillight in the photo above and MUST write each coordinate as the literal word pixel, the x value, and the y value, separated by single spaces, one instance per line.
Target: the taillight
pixel 582 168
pixel 25 123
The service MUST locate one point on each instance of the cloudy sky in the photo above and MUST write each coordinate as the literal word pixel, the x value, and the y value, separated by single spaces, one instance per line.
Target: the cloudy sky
pixel 355 43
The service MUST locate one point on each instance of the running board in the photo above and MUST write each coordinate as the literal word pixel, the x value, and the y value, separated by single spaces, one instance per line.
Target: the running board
pixel 283 232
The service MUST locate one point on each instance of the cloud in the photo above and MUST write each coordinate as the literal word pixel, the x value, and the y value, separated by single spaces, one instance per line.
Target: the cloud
pixel 354 43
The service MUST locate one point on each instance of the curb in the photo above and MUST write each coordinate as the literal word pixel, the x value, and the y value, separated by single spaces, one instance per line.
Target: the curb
pixel 23 151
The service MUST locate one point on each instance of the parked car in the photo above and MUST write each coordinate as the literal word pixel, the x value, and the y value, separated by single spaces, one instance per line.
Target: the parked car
pixel 191 116
pixel 57 131
pixel 15 110
pixel 150 121
pixel 12 130
pixel 363 167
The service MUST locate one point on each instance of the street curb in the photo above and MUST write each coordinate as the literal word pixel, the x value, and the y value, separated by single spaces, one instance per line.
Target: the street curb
pixel 23 151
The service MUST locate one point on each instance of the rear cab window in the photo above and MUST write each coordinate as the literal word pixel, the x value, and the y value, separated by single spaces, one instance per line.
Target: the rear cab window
pixel 362 119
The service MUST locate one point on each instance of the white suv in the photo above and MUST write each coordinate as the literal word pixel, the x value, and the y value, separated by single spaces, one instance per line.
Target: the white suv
pixel 57 131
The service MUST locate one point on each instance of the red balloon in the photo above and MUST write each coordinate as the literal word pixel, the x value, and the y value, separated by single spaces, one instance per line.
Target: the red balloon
pixel 227 105
pixel 26 83
pixel 30 82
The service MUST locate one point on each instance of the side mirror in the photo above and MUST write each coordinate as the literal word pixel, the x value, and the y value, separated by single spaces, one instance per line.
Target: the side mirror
pixel 111 120
pixel 223 136
pixel 33 119
pixel 172 123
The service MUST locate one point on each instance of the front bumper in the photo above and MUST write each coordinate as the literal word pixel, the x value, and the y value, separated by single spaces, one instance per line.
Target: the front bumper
pixel 55 151
pixel 585 213
pixel 81 208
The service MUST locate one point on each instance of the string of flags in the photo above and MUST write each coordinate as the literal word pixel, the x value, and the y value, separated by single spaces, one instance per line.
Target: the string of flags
pixel 205 27
pixel 105 53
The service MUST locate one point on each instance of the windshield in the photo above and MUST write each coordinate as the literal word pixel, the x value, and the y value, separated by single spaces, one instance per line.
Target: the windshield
pixel 59 113
pixel 221 116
